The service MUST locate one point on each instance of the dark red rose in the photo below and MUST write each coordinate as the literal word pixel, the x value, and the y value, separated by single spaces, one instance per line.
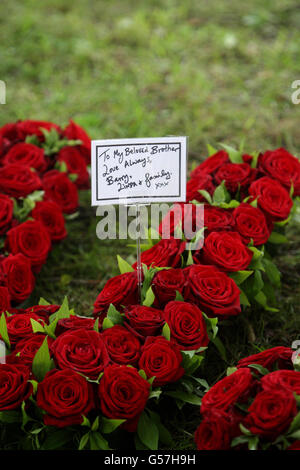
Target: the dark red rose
pixel 215 431
pixel 74 132
pixel 6 213
pixel 81 350
pixel 123 394
pixel 32 240
pixel 247 158
pixel 60 189
pixel 27 348
pixel 211 289
pixel 282 379
pixel 251 223
pixel 202 181
pixel 30 127
pixel 26 154
pixel 76 165
pixel 122 346
pixel 282 166
pixel 14 386
pixel 182 217
pixel 225 250
pixel 161 359
pixel 216 218
pixel 19 326
pixel 119 290
pixel 294 446
pixel 19 278
pixel 187 325
pixel 272 198
pixel 165 253
pixel 51 216
pixel 235 175
pixel 269 358
pixel 271 413
pixel 145 321
pixel 43 311
pixel 166 282
pixel 73 323
pixel 235 388
pixel 9 132
pixel 66 397
pixel 18 180
pixel 4 299
pixel 211 164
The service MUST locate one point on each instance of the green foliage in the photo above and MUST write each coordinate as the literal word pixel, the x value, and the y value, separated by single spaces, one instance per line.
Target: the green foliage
pixel 42 362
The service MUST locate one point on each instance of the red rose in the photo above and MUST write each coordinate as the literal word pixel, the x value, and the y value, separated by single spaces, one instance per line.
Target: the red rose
pixel 215 292
pixel 282 166
pixel 32 240
pixel 247 158
pixel 251 223
pixel 4 299
pixel 119 290
pixel 216 218
pixel 60 189
pixel 30 127
pixel 225 250
pixel 145 321
pixel 271 413
pixel 66 397
pixel 26 154
pixel 19 278
pixel 215 431
pixel 165 284
pixel 18 180
pixel 14 386
pixel 185 217
pixel 165 253
pixel 187 325
pixel 75 132
pixel 282 379
pixel 43 311
pixel 51 216
pixel 122 346
pixel 27 348
pixel 73 323
pixel 81 350
pixel 202 181
pixel 123 394
pixel 235 388
pixel 9 132
pixel 211 164
pixel 272 198
pixel 76 164
pixel 269 358
pixel 19 326
pixel 161 359
pixel 235 175
pixel 294 446
pixel 6 213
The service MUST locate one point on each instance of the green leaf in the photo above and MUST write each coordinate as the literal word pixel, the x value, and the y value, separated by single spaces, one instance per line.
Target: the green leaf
pixel 85 422
pixel 147 432
pixel 185 397
pixel 36 326
pixel 189 260
pixel 142 373
pixel 179 297
pixel 11 416
pixel 57 439
pixel 190 363
pixel 206 195
pixel 150 297
pixel 95 424
pixel 107 323
pixel 124 267
pixel 239 440
pixel 42 362
pixel 253 442
pixel 277 238
pixel 164 435
pixel 96 325
pixel 231 370
pixel 3 330
pixel 211 150
pixel 42 301
pixel 272 272
pixel 107 426
pixel 212 326
pixel 83 441
pixel 261 299
pixel 114 316
pixel 262 370
pixel 219 195
pixel 62 312
pixel 97 442
pixel 166 332
pixel 235 156
pixel 240 276
pixel 220 347
pixel 295 424
pixel 244 299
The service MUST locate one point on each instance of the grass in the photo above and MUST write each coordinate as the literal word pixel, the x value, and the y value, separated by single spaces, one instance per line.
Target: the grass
pixel 215 71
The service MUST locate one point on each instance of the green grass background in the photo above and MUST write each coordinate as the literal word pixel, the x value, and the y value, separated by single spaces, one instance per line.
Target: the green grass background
pixel 217 71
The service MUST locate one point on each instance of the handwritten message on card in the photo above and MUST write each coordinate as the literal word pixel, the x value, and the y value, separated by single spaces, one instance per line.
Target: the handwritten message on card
pixel 130 171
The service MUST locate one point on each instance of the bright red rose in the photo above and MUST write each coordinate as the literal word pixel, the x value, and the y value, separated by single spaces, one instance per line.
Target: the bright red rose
pixel 282 166
pixel 123 394
pixel 30 127
pixel 269 358
pixel 225 250
pixel 73 323
pixel 202 181
pixel 187 325
pixel 81 350
pixel 235 175
pixel 43 311
pixel 14 386
pixel 18 180
pixel 271 413
pixel 165 253
pixel 4 299
pixel 74 132
pixel 211 289
pixel 119 290
pixel 235 388
pixel 6 213
pixel 216 218
pixel 145 321
pixel 272 198
pixel 165 283
pixel 251 223
pixel 27 348
pixel 60 189
pixel 66 397
pixel 32 240
pixel 51 216
pixel 215 431
pixel 282 379
pixel 122 346
pixel 19 278
pixel 161 359
pixel 26 154
pixel 76 165
pixel 19 326
pixel 211 164
pixel 187 218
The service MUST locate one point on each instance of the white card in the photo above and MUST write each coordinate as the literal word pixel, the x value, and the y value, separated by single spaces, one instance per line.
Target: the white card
pixel 130 171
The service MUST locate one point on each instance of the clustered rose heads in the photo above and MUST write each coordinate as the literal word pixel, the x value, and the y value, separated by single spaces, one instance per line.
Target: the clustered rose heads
pixel 38 185
pixel 254 407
